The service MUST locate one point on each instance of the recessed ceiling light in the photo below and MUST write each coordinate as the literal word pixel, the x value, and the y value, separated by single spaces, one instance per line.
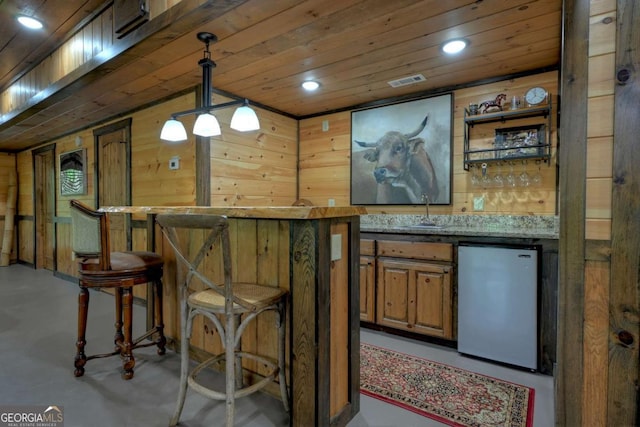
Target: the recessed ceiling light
pixel 310 85
pixel 30 22
pixel 454 46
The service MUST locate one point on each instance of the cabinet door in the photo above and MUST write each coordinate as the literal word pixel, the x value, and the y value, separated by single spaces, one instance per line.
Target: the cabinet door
pixel 432 303
pixel 415 296
pixel 367 288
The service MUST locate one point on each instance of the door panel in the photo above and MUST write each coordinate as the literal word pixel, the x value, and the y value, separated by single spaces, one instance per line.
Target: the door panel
pixel 112 184
pixel 113 147
pixel 44 209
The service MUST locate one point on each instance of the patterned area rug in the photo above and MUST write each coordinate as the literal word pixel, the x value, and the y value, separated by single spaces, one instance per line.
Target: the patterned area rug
pixel 449 395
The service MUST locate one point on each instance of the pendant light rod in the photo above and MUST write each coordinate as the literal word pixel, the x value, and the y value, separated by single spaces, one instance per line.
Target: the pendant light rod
pixel 208 108
pixel 207 66
pixel 244 118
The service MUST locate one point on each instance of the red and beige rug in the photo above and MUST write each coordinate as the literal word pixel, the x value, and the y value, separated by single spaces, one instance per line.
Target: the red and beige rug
pixel 449 395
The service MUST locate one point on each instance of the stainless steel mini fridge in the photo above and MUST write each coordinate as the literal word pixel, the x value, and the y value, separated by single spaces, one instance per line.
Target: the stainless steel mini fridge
pixel 498 303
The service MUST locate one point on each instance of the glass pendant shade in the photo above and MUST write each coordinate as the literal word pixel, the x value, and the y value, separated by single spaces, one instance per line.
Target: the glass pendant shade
pixel 173 130
pixel 206 125
pixel 245 119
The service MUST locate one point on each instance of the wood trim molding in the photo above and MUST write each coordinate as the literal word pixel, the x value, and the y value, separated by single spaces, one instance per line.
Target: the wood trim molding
pixel 572 175
pixel 624 296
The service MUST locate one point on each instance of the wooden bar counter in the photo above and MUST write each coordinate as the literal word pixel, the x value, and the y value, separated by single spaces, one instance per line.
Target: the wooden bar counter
pixel 314 253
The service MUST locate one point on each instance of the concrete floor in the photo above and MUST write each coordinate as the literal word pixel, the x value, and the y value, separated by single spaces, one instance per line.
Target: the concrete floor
pixel 37 346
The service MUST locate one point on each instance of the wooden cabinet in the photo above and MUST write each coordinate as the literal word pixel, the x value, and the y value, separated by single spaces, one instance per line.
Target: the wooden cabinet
pixel 414 287
pixel 367 280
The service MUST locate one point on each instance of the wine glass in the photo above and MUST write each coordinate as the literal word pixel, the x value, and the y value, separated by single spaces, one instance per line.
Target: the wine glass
pixel 486 178
pixel 475 177
pixel 536 179
pixel 524 179
pixel 498 180
pixel 511 177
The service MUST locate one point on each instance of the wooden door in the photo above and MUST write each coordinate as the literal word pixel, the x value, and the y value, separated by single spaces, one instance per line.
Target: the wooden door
pixel 113 188
pixel 44 207
pixel 114 177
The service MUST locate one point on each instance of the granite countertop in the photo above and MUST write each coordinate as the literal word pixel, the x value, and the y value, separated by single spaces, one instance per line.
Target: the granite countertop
pixel 539 227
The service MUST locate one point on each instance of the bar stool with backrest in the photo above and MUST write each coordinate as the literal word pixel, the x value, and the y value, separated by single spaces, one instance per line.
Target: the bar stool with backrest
pixel 237 303
pixel 101 268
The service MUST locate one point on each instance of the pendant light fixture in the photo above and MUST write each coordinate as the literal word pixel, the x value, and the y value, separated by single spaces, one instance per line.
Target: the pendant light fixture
pixel 244 118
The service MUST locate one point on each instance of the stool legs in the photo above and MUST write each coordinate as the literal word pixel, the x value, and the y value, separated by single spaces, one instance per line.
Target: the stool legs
pixel 159 325
pixel 128 361
pixel 230 372
pixel 123 339
pixel 118 339
pixel 185 329
pixel 83 306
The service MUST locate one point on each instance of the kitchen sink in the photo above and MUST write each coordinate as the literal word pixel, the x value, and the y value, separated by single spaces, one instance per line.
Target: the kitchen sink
pixel 426 226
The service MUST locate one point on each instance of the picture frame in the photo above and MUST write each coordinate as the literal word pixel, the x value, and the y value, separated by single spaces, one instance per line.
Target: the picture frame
pixel 401 151
pixel 73 173
pixel 520 141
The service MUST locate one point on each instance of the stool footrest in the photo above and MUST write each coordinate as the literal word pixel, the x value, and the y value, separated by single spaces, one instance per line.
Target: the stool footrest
pixel 214 394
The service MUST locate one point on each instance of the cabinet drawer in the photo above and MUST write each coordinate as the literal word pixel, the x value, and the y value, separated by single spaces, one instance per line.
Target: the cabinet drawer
pixel 418 250
pixel 367 247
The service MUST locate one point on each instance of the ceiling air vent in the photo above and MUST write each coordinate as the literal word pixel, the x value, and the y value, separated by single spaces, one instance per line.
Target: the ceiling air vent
pixel 416 78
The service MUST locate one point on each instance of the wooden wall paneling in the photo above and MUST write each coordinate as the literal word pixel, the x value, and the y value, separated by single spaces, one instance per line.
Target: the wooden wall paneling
pixel 26 241
pixel 74 52
pixel 7 164
pixel 339 315
pixel 25 183
pixel 255 168
pixel 548 351
pixel 268 236
pixel 596 327
pixel 572 170
pixel 304 345
pixel 139 243
pixel 624 306
pixel 170 307
pixel 325 163
pixel 602 34
pixel 8 207
pixel 601 80
pixel 598 201
pixel 600 116
pixel 64 262
pixel 600 157
pixel 153 183
pixel 598 229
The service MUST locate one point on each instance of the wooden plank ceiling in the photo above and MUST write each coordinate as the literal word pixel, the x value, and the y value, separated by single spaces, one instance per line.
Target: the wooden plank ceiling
pixel 267 48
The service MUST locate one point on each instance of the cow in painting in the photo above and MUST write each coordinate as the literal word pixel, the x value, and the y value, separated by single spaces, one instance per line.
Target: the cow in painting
pixel 403 170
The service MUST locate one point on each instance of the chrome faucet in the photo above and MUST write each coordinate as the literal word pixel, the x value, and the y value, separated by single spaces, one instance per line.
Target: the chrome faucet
pixel 425 199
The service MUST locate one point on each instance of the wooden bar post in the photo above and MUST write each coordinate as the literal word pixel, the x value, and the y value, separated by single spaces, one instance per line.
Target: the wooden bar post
pixel 7 240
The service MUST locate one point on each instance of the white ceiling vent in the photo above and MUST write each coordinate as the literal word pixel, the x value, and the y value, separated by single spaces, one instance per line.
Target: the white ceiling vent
pixel 416 78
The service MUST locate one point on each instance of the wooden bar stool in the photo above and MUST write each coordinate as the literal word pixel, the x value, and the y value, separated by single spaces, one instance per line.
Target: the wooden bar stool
pixel 230 307
pixel 101 268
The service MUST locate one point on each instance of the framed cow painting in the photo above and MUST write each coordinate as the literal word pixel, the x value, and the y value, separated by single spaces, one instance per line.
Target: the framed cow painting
pixel 402 152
